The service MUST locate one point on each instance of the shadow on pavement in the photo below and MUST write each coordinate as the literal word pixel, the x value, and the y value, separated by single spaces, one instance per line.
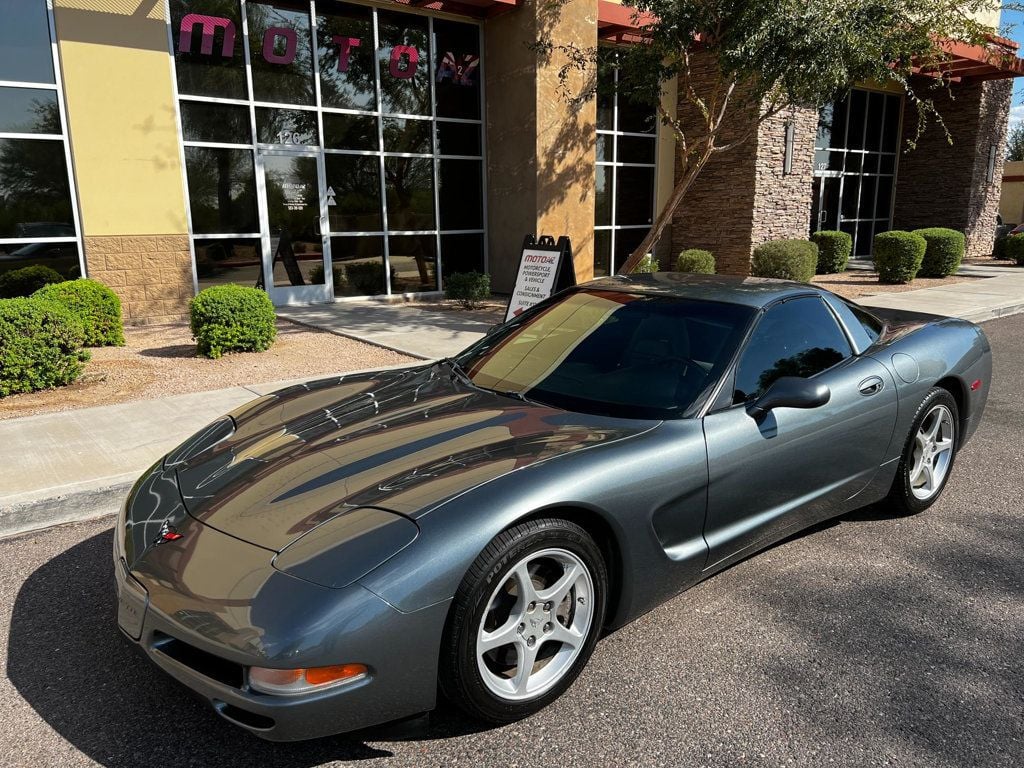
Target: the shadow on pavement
pixel 68 660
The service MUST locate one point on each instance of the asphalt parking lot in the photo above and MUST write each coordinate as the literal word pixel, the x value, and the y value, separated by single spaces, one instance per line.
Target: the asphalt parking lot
pixel 869 641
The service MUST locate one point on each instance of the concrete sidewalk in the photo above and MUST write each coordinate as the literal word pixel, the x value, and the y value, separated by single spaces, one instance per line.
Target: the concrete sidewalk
pixel 412 330
pixel 76 464
pixel 73 465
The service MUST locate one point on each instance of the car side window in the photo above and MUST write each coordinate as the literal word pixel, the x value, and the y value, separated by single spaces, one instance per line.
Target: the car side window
pixel 799 337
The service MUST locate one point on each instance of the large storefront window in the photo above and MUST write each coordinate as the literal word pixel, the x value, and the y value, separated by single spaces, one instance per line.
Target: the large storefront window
pixel 626 150
pixel 38 220
pixel 855 166
pixel 345 159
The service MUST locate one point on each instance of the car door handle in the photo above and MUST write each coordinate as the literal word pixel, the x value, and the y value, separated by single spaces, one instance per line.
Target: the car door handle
pixel 871 386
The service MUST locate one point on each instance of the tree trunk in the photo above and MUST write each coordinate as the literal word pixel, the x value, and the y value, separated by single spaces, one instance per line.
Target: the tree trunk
pixel 665 218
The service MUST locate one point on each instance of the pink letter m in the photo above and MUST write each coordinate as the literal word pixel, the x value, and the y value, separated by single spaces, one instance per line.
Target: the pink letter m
pixel 210 25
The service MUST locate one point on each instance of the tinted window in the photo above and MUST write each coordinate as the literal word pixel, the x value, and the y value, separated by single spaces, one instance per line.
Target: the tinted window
pixel 35 199
pixel 865 328
pixel 797 338
pixel 208 52
pixel 279 52
pixel 25 42
pixel 221 190
pixel 611 353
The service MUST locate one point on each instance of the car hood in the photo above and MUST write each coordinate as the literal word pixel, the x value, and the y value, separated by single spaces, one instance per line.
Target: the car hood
pixel 402 441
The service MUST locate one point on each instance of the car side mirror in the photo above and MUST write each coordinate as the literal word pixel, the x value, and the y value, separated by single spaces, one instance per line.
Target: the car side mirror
pixel 790 392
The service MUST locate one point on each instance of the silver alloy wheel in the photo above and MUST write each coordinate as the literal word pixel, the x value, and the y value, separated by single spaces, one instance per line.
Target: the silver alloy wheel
pixel 535 624
pixel 933 453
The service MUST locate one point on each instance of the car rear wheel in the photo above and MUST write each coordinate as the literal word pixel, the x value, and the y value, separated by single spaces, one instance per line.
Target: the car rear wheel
pixel 524 621
pixel 928 454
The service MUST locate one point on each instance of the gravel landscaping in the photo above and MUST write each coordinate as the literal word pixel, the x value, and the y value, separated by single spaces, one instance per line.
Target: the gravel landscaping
pixel 856 283
pixel 160 360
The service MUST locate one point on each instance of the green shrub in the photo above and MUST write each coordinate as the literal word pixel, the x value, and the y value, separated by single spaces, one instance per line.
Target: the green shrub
pixel 943 253
pixel 97 307
pixel 786 259
pixel 232 318
pixel 366 277
pixel 697 261
pixel 316 276
pixel 898 256
pixel 1014 248
pixel 834 249
pixel 40 345
pixel 999 248
pixel 27 280
pixel 467 288
pixel 648 265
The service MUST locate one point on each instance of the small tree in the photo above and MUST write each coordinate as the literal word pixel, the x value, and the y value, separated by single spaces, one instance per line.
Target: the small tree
pixel 1015 143
pixel 740 62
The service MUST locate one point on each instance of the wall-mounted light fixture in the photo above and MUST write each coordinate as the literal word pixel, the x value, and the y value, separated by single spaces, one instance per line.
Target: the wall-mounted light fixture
pixel 990 175
pixel 787 160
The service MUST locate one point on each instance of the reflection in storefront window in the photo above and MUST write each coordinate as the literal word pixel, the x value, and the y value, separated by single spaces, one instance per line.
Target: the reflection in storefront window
pixel 221 190
pixel 221 123
pixel 37 217
pixel 625 168
pixel 381 160
pixel 35 199
pixel 25 55
pixel 228 260
pixel 413 264
pixel 345 51
pixel 208 54
pixel 279 53
pixel 403 60
pixel 355 180
pixel 358 266
pixel 409 187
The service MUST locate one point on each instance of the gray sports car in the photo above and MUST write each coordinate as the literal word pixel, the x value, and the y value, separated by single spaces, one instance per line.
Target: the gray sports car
pixel 327 557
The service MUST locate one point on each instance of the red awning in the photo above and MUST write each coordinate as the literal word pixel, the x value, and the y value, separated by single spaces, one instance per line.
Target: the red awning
pixel 619 24
pixel 974 63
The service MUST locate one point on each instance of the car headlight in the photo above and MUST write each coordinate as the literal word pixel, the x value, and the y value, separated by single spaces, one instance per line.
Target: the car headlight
pixel 292 682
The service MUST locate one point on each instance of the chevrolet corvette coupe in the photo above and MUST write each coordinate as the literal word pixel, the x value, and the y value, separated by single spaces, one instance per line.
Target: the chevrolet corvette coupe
pixel 332 555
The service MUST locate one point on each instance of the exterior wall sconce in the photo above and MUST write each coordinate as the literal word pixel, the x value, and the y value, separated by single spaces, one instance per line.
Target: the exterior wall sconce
pixel 990 175
pixel 787 160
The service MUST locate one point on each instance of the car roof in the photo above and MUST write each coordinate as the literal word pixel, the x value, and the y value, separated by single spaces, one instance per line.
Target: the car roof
pixel 754 292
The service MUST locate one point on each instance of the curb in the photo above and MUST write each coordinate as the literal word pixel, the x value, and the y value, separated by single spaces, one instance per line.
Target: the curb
pixel 86 502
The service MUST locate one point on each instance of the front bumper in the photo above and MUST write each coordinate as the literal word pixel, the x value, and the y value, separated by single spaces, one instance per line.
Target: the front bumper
pixel 207 607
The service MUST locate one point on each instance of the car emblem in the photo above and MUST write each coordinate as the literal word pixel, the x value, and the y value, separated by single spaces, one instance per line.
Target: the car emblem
pixel 167 533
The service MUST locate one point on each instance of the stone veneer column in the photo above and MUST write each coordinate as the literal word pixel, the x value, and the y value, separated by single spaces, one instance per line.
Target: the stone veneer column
pixel 939 184
pixel 742 198
pixel 540 149
pixel 152 275
pixel 125 146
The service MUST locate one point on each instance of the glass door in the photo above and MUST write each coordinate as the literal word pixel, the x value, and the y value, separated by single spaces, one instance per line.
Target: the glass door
pixel 296 252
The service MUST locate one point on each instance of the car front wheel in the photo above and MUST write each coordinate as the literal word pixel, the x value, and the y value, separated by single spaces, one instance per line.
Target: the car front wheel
pixel 928 454
pixel 524 621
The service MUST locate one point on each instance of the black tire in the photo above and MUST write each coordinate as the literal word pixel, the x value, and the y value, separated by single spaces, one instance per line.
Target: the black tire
pixel 460 678
pixel 901 498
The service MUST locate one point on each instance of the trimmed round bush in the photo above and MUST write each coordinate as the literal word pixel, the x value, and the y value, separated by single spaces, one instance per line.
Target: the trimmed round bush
pixel 834 249
pixel 40 345
pixel 467 288
pixel 999 248
pixel 1014 248
pixel 27 280
pixel 232 318
pixel 97 307
pixel 943 253
pixel 697 261
pixel 898 256
pixel 786 259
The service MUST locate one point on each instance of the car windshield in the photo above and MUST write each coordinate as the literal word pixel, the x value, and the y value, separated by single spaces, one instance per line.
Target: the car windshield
pixel 610 352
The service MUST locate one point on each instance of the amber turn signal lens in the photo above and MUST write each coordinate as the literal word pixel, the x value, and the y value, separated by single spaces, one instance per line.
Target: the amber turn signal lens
pixel 322 675
pixel 291 682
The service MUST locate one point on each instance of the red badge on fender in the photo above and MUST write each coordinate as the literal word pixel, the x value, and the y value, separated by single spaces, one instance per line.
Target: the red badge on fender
pixel 167 533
